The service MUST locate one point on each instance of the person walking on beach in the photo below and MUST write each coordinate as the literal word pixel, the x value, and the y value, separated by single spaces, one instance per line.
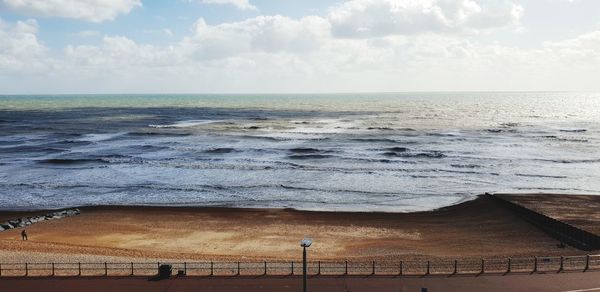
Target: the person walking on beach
pixel 24 234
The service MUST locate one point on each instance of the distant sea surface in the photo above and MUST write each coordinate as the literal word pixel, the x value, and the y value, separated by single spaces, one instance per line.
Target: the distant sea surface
pixel 356 152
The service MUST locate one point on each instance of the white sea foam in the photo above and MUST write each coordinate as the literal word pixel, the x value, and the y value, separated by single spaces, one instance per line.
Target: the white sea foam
pixel 101 137
pixel 291 135
pixel 185 124
pixel 323 126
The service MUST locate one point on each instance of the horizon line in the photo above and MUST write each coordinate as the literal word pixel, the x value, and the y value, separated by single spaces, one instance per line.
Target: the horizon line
pixel 300 93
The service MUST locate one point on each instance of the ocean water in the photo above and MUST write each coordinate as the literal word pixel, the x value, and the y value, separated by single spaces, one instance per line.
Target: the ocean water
pixel 361 152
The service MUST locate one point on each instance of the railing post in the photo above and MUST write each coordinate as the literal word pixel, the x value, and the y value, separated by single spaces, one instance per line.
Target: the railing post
pixel 265 273
pixel 105 269
pixel 211 269
pixel 587 262
pixel 508 266
pixel 292 272
pixel 346 269
pixel 535 265
pixel 318 267
pixel 482 266
pixel 455 267
pixel 26 270
pixel 561 264
pixel 185 268
pixel 78 269
pixel 373 269
pixel 427 268
pixel 401 268
pixel 132 269
pixel 238 269
pixel 0 270
pixel 52 269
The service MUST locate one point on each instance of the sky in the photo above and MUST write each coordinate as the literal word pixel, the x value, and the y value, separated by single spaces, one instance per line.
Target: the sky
pixel 298 46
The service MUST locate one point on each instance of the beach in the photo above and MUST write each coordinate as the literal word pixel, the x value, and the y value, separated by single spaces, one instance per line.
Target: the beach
pixel 476 228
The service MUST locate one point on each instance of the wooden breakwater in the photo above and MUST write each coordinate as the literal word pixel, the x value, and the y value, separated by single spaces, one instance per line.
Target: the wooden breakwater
pixel 571 223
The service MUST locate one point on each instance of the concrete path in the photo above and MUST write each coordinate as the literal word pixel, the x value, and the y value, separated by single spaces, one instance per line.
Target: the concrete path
pixel 565 282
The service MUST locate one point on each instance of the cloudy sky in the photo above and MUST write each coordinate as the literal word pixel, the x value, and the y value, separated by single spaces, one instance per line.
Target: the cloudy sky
pixel 237 46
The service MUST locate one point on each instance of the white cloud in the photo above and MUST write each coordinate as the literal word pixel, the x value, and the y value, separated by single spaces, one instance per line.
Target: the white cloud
pixel 283 54
pixel 118 52
pixel 376 18
pixel 88 10
pixel 250 56
pixel 584 48
pixel 262 33
pixel 20 49
pixel 240 4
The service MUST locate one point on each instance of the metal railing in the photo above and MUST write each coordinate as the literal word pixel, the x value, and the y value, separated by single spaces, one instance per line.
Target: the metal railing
pixel 480 266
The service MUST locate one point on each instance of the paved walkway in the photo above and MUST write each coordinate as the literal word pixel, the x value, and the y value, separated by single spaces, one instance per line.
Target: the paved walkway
pixel 572 282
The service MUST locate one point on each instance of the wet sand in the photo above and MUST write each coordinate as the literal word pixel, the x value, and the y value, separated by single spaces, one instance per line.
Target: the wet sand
pixel 478 228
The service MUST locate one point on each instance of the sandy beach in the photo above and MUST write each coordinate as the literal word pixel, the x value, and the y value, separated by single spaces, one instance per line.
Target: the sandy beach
pixel 478 228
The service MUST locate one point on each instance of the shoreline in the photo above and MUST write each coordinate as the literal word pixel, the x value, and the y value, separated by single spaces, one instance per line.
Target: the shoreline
pixel 4 212
pixel 19 212
pixel 13 214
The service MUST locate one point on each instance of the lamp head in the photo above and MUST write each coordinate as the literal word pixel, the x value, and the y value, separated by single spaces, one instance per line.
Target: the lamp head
pixel 306 242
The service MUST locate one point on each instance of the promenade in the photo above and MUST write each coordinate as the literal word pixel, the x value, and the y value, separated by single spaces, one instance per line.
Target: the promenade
pixel 565 282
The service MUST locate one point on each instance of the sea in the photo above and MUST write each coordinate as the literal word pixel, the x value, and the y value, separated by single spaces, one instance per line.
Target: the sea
pixel 389 152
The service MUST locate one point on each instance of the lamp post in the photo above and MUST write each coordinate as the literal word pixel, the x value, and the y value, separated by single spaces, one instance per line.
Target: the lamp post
pixel 306 242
